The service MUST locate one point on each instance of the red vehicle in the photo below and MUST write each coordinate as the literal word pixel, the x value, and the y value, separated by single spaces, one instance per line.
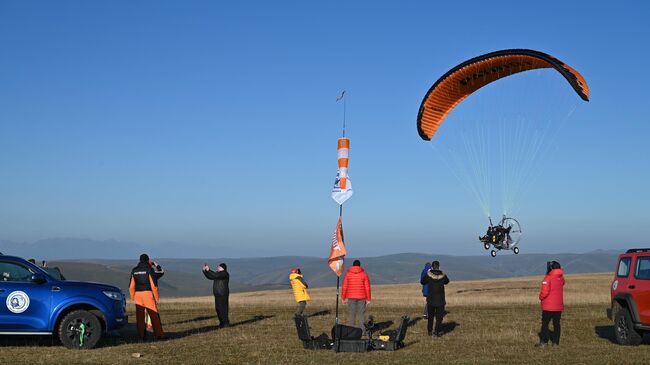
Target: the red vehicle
pixel 630 294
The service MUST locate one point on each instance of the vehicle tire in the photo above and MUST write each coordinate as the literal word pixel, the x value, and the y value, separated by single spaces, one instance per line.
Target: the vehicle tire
pixel 486 246
pixel 516 250
pixel 76 323
pixel 624 329
pixel 493 253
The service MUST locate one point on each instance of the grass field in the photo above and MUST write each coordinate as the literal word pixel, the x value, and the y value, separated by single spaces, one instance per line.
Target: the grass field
pixel 490 321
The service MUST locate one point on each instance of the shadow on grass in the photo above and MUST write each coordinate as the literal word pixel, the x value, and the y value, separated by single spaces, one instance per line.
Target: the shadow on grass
pixel 448 327
pixel 414 321
pixel 380 326
pixel 28 341
pixel 193 331
pixel 317 314
pixel 128 334
pixel 195 319
pixel 607 333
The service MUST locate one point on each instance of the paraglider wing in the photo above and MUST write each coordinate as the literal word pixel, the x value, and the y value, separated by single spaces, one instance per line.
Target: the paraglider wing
pixel 462 80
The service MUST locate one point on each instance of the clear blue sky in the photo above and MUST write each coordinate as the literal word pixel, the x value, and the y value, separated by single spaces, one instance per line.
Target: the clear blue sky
pixel 214 123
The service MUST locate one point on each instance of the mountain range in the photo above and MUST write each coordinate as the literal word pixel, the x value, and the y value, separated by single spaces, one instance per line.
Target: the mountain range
pixel 183 277
pixel 104 261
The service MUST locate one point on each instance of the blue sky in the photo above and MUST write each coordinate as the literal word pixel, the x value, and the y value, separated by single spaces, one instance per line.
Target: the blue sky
pixel 214 123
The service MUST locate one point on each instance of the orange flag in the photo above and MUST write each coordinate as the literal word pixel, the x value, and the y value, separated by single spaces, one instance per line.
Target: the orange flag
pixel 337 251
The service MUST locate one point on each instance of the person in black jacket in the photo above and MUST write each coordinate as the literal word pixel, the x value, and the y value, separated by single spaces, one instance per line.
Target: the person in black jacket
pixel 436 281
pixel 143 288
pixel 220 290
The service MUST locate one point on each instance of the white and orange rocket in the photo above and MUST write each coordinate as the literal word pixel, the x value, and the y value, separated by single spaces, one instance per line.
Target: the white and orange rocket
pixel 342 189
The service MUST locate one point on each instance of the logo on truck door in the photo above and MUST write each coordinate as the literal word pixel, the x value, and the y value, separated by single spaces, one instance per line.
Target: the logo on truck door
pixel 17 302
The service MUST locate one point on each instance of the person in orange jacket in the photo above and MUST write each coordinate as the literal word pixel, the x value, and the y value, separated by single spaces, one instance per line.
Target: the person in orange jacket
pixel 551 296
pixel 143 288
pixel 356 292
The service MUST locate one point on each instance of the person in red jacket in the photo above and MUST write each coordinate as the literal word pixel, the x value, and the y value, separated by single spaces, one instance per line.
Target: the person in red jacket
pixel 356 292
pixel 552 297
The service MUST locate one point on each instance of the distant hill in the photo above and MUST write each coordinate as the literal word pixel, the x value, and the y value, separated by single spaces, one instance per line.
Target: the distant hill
pixel 80 248
pixel 184 278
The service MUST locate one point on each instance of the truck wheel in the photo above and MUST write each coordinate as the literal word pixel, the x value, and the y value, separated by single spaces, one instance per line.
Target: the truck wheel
pixel 516 250
pixel 80 329
pixel 493 253
pixel 486 246
pixel 624 329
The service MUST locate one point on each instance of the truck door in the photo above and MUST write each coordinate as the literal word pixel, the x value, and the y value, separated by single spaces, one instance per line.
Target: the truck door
pixel 24 305
pixel 622 277
pixel 641 292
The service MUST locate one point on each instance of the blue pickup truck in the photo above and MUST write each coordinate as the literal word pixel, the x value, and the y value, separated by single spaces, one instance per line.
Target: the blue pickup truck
pixel 33 302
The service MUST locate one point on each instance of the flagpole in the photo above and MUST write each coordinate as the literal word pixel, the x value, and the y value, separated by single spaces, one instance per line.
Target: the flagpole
pixel 338 278
pixel 344 114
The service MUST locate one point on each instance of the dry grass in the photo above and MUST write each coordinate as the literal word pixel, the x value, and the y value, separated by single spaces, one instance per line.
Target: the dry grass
pixel 492 321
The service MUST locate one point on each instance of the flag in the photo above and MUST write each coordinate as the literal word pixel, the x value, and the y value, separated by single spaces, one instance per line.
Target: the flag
pixel 337 250
pixel 340 96
pixel 342 189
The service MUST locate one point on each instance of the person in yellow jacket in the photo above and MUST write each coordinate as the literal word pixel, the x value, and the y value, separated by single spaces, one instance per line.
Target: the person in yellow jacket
pixel 299 287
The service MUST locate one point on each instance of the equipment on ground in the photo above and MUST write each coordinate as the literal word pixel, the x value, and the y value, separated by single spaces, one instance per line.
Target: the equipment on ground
pixel 393 339
pixel 350 339
pixel 322 342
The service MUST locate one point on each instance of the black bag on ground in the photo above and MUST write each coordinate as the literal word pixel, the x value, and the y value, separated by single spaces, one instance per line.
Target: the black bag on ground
pixel 396 337
pixel 348 339
pixel 352 345
pixel 343 332
pixel 308 341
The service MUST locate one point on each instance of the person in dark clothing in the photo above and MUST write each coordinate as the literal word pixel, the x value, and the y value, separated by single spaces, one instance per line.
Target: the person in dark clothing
pixel 143 288
pixel 436 281
pixel 220 290
pixel 498 235
pixel 55 272
pixel 425 287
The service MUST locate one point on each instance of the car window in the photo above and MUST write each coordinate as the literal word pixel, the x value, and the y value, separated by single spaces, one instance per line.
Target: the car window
pixel 623 267
pixel 642 268
pixel 10 271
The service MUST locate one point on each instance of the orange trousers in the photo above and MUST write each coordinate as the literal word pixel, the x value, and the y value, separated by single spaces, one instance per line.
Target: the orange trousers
pixel 142 323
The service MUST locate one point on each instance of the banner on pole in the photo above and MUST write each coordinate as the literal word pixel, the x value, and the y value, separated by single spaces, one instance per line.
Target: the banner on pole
pixel 337 250
pixel 342 189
